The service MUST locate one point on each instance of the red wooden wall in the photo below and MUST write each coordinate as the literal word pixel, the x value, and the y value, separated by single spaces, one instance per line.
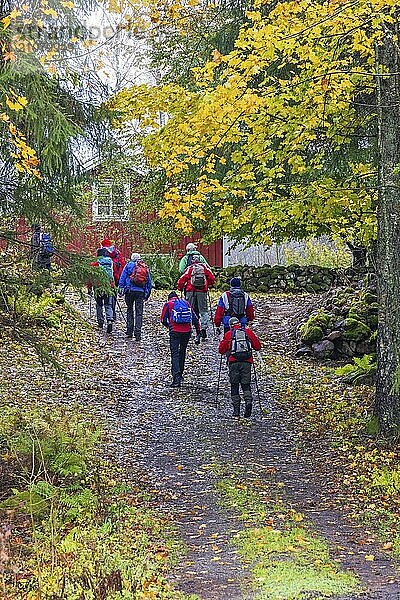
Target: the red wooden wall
pixel 88 238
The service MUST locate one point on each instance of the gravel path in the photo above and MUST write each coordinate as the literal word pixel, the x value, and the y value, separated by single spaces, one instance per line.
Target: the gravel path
pixel 175 435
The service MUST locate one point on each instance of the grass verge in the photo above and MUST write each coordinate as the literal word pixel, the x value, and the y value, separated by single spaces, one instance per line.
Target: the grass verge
pixel 287 560
pixel 364 466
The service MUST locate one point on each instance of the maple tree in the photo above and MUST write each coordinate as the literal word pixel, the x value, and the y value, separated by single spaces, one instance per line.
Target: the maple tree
pixel 278 137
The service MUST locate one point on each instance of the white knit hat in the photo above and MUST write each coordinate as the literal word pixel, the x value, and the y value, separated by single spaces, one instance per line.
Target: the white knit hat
pixel 135 256
pixel 191 246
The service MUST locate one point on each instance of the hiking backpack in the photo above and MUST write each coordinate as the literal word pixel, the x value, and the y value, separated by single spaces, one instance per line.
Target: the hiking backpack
pixel 240 345
pixel 198 277
pixel 140 274
pixel 46 247
pixel 181 312
pixel 237 303
pixel 189 260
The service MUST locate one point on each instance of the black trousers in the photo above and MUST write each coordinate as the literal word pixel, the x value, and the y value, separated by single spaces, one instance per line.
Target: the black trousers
pixel 240 376
pixel 178 343
pixel 134 320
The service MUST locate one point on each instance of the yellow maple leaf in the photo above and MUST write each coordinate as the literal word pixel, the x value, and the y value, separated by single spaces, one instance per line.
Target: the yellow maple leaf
pixel 50 11
pixel 217 56
pixel 18 104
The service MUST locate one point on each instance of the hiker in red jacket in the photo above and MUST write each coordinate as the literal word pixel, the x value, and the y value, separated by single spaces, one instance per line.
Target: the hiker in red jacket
pixel 195 281
pixel 234 303
pixel 238 343
pixel 178 316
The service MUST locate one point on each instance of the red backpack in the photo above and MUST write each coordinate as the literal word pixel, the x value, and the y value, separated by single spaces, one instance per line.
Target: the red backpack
pixel 140 274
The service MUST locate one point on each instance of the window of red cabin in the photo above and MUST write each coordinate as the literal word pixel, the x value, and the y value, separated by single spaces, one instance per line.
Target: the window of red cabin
pixel 110 200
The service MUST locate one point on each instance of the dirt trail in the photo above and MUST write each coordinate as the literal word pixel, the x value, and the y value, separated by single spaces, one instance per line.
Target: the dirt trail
pixel 174 435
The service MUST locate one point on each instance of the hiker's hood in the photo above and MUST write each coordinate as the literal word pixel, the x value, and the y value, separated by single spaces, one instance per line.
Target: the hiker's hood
pixel 110 249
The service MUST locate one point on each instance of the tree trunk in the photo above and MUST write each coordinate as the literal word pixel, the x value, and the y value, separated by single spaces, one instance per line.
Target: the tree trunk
pixel 387 403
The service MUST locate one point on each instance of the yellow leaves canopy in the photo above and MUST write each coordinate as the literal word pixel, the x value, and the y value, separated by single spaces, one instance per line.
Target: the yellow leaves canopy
pixel 268 121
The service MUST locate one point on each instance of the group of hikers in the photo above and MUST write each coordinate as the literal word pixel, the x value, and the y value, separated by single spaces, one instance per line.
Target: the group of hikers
pixel 132 281
pixel 116 278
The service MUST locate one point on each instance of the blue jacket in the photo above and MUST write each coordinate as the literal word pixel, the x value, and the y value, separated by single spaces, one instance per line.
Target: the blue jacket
pixel 127 285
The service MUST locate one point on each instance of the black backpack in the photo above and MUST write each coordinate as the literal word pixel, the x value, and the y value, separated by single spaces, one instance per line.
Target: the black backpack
pixel 240 346
pixel 189 260
pixel 237 303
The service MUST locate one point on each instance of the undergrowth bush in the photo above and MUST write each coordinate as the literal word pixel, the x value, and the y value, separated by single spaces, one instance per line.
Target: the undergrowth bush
pixel 71 530
pixel 362 369
pixel 316 252
pixel 164 269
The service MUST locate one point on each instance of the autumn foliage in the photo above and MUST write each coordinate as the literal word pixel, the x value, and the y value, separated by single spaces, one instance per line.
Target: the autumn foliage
pixel 278 137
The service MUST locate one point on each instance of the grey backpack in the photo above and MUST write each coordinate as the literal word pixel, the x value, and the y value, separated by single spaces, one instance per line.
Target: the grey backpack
pixel 198 277
pixel 241 346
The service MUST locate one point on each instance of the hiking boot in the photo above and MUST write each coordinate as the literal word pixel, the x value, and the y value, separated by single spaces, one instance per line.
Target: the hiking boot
pixel 197 339
pixel 129 336
pixel 247 411
pixel 109 327
pixel 175 383
pixel 203 333
pixel 236 413
pixel 100 325
pixel 138 337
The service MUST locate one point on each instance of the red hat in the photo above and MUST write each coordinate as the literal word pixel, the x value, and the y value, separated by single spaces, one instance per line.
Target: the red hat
pixel 106 243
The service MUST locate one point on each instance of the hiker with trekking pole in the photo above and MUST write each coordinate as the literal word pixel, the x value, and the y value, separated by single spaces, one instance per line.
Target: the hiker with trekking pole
pixel 118 263
pixel 195 281
pixel 234 303
pixel 238 344
pixel 102 287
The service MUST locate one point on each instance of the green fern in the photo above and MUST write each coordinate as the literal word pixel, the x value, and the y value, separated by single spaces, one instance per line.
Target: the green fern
pixel 362 368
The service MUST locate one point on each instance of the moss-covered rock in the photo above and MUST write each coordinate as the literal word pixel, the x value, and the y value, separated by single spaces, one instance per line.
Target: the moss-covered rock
pixel 310 333
pixel 355 330
pixel 359 311
pixel 369 297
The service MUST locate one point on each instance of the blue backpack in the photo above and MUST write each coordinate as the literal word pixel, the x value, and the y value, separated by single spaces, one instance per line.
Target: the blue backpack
pixel 46 247
pixel 181 312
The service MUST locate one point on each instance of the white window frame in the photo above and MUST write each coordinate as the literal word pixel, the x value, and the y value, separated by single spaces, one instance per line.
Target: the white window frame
pixel 112 216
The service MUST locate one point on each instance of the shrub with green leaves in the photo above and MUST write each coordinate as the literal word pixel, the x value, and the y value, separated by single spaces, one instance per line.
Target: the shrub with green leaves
pixel 361 370
pixel 164 269
pixel 316 252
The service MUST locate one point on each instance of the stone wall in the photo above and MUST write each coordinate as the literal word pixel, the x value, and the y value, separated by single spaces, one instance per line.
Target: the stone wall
pixel 293 278
pixel 346 326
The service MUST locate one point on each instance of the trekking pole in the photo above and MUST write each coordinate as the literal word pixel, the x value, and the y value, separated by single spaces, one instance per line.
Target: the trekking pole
pixel 90 307
pixel 120 310
pixel 211 312
pixel 219 379
pixel 257 388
